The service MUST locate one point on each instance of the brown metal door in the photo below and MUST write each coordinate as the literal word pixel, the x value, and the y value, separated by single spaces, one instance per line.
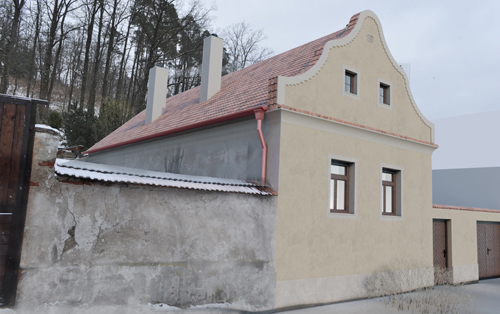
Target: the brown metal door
pixel 440 245
pixel 493 244
pixel 17 124
pixel 482 259
pixel 488 249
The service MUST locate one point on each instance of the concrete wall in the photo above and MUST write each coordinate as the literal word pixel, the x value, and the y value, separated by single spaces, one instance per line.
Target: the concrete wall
pixel 473 187
pixel 227 150
pixel 98 244
pixel 462 240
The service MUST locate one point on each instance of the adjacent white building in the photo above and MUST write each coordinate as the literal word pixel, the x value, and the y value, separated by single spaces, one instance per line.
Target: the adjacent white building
pixel 466 167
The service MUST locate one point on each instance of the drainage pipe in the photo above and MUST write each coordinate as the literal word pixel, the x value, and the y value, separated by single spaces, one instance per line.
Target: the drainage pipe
pixel 259 116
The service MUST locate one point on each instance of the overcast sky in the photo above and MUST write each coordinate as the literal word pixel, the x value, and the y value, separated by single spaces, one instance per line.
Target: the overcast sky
pixel 452 46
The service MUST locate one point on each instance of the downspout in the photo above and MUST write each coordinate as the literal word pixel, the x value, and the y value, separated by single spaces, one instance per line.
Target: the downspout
pixel 259 116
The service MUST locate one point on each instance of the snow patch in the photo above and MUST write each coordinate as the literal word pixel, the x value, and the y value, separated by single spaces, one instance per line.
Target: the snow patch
pixel 163 307
pixel 210 306
pixel 47 127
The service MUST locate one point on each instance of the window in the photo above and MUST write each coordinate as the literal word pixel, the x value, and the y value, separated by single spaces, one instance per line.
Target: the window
pixel 339 187
pixel 384 94
pixel 351 86
pixel 388 192
pixel 391 192
pixel 350 82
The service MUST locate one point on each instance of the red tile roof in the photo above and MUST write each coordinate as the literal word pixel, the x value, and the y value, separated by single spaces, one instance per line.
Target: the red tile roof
pixel 248 88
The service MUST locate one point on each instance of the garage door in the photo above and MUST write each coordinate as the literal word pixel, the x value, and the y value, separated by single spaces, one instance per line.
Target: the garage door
pixel 488 249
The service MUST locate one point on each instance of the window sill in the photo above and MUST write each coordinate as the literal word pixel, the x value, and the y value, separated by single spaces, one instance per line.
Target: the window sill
pixel 390 218
pixel 386 106
pixel 348 94
pixel 341 215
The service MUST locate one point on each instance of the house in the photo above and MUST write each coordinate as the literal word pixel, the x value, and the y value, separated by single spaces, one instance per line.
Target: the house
pixel 466 168
pixel 288 183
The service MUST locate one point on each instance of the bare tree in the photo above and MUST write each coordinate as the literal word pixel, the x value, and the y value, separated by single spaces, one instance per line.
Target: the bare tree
pixel 242 43
pixel 91 12
pixel 97 61
pixel 33 49
pixel 11 41
pixel 57 13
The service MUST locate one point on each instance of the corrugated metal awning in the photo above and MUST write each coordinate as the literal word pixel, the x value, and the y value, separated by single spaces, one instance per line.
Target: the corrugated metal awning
pixel 111 173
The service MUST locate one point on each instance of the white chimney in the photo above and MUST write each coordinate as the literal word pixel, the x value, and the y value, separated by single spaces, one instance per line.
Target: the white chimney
pixel 157 93
pixel 211 71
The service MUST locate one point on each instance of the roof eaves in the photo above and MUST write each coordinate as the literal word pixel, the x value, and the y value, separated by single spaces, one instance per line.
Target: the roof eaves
pixel 228 117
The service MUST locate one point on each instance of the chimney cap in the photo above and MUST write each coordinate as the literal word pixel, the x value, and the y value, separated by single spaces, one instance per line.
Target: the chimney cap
pixel 214 34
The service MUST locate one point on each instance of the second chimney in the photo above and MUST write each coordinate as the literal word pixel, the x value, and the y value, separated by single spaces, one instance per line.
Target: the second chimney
pixel 211 71
pixel 157 93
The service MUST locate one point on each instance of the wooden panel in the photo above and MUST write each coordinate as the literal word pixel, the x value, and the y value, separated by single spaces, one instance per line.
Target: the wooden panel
pixel 15 158
pixel 481 250
pixel 439 239
pixel 17 122
pixel 488 249
pixel 6 139
pixel 440 250
pixel 1 115
pixel 493 248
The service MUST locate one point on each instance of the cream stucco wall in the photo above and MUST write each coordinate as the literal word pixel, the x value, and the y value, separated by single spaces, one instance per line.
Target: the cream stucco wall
pixel 323 257
pixel 314 246
pixel 320 90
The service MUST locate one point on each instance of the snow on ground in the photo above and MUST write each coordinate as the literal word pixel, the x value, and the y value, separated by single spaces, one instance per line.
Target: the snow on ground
pixel 160 308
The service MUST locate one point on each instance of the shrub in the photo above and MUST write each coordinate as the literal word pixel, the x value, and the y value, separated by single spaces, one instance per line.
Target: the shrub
pixel 405 285
pixel 79 126
pixel 111 116
pixel 55 119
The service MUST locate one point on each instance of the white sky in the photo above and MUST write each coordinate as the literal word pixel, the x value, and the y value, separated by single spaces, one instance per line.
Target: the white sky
pixel 453 47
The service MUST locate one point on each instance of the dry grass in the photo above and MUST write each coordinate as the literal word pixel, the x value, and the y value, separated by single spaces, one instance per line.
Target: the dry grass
pixel 405 286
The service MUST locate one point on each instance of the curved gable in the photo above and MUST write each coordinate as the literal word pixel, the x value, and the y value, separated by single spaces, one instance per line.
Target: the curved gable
pixel 363 51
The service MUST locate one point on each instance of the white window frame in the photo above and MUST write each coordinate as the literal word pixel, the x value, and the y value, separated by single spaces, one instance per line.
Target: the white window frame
pixel 353 186
pixel 399 177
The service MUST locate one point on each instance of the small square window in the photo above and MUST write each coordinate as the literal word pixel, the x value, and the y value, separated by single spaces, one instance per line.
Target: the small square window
pixel 384 94
pixel 351 82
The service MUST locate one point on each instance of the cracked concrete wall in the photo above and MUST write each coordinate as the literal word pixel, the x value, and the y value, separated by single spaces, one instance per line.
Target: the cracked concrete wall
pixel 228 150
pixel 97 244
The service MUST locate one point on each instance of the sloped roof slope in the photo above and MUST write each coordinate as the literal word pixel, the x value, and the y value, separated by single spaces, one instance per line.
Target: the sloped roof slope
pixel 245 89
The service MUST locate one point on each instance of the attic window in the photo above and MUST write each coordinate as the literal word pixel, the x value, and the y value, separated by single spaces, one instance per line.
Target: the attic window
pixel 384 94
pixel 351 79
